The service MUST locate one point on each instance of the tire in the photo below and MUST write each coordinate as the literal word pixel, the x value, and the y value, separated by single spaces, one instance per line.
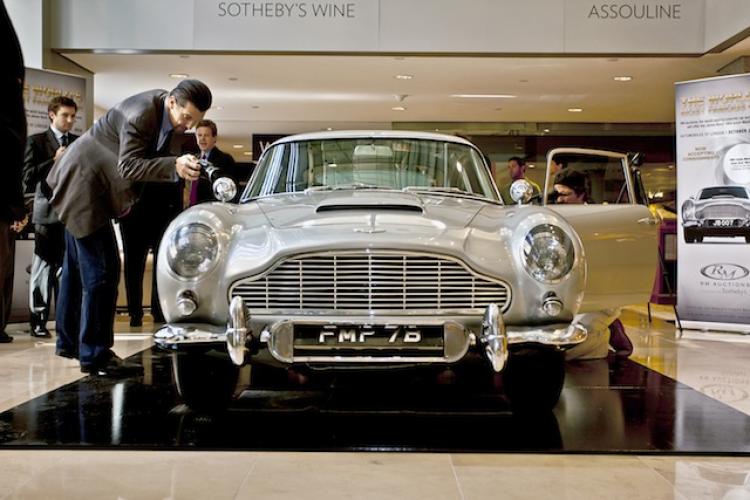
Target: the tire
pixel 688 238
pixel 205 381
pixel 747 239
pixel 699 239
pixel 534 377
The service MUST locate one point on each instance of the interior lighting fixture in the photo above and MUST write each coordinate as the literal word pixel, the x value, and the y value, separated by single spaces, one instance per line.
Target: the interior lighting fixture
pixel 237 146
pixel 546 130
pixel 623 78
pixel 575 110
pixel 398 108
pixel 404 77
pixel 247 153
pixel 484 96
pixel 178 75
pixel 329 128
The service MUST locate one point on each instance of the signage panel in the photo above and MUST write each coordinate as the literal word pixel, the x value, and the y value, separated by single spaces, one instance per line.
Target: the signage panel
pixel 41 86
pixel 713 202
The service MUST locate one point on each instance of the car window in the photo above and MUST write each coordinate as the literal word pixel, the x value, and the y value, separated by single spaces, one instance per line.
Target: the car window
pixel 602 178
pixel 723 192
pixel 392 163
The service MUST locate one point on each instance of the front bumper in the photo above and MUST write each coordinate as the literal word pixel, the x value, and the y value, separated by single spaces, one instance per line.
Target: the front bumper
pixel 708 227
pixel 488 334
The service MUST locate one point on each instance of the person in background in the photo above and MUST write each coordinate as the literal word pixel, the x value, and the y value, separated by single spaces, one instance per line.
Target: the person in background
pixel 94 182
pixel 12 140
pixel 142 229
pixel 42 150
pixel 605 330
pixel 205 136
pixel 517 170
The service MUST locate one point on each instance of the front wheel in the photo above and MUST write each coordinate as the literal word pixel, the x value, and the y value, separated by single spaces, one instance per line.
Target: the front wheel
pixel 534 377
pixel 206 381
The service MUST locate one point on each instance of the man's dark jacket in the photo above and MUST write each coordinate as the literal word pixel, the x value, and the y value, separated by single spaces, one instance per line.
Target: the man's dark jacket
pixel 93 181
pixel 40 155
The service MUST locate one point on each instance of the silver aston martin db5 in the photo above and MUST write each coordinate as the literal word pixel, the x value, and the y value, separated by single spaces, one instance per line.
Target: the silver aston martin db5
pixel 722 211
pixel 382 249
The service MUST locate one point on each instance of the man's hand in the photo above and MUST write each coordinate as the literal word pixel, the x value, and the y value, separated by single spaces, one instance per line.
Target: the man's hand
pixel 18 225
pixel 59 152
pixel 187 167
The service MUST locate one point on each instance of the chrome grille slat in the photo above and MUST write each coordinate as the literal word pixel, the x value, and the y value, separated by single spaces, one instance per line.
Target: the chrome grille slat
pixel 722 212
pixel 366 281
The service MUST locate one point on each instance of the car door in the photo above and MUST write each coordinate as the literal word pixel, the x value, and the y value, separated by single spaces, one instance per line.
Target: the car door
pixel 619 235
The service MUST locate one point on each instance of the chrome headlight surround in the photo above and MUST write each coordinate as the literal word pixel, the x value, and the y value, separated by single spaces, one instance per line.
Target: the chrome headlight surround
pixel 688 210
pixel 548 253
pixel 193 250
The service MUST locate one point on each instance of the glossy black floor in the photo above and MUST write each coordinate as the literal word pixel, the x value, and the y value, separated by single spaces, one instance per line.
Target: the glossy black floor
pixel 613 407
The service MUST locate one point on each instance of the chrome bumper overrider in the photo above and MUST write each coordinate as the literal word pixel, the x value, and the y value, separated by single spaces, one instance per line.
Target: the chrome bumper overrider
pixel 492 337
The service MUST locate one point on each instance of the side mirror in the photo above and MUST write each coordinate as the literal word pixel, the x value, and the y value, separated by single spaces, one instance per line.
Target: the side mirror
pixel 225 189
pixel 521 191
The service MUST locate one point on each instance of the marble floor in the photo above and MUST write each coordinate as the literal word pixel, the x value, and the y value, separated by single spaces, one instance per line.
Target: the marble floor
pixel 713 364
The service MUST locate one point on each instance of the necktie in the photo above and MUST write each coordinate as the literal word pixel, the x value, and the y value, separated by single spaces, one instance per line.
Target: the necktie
pixel 64 140
pixel 193 197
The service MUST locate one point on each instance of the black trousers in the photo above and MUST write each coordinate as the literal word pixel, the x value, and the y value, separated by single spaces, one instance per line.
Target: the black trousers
pixel 139 236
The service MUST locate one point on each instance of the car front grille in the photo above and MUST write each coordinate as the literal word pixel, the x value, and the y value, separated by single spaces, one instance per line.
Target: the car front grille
pixel 373 281
pixel 722 212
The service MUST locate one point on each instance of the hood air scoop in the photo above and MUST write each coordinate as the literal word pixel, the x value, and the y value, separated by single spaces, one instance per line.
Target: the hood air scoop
pixel 368 202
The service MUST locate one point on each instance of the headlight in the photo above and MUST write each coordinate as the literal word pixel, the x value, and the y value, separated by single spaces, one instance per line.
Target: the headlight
pixel 688 210
pixel 548 253
pixel 192 250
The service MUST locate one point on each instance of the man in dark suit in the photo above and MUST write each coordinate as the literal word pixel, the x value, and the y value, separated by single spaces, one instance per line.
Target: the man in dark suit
pixel 141 231
pixel 93 183
pixel 12 141
pixel 205 136
pixel 42 150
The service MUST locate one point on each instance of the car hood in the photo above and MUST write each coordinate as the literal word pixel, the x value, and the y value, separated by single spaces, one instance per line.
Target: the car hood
pixel 370 210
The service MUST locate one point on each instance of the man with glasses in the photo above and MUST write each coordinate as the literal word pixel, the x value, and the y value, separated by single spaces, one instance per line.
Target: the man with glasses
pixel 98 180
pixel 42 150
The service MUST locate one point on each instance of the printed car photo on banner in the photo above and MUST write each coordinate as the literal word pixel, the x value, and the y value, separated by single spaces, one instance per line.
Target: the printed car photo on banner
pixel 713 193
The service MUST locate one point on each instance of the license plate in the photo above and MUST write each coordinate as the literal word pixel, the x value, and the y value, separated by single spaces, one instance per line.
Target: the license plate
pixel 368 336
pixel 722 222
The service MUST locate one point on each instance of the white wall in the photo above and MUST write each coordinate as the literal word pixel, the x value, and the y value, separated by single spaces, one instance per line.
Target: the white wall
pixel 724 19
pixel 27 19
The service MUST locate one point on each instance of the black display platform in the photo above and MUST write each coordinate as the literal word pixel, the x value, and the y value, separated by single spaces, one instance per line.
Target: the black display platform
pixel 606 407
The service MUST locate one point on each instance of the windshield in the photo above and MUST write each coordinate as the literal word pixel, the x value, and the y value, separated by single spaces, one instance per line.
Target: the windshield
pixel 367 163
pixel 723 192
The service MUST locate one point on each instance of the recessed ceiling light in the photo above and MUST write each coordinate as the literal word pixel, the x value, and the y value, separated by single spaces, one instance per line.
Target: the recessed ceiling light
pixel 623 78
pixel 484 96
pixel 178 75
pixel 575 110
pixel 237 146
pixel 404 77
pixel 670 167
pixel 546 130
pixel 329 128
pixel 398 108
pixel 247 153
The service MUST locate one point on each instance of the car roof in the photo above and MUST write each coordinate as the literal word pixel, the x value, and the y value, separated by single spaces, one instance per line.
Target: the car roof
pixel 373 134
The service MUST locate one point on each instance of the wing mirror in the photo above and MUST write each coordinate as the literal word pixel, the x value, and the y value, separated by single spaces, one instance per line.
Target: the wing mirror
pixel 224 188
pixel 521 191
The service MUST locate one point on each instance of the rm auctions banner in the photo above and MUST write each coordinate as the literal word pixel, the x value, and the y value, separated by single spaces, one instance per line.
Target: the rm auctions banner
pixel 713 200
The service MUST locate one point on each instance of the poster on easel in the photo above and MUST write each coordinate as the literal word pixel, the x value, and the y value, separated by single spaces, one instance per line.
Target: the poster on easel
pixel 40 86
pixel 713 197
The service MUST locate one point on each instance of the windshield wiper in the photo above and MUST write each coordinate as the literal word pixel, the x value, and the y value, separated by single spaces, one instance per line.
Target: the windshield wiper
pixel 342 187
pixel 440 189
